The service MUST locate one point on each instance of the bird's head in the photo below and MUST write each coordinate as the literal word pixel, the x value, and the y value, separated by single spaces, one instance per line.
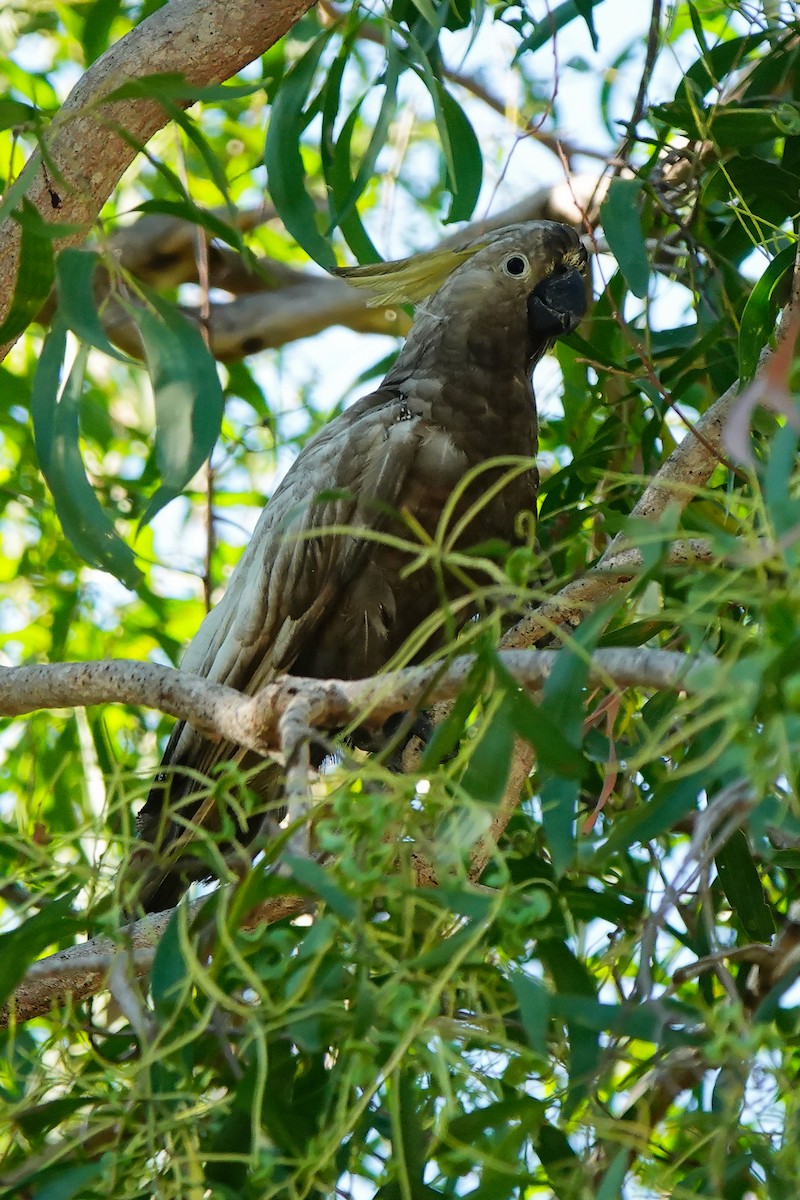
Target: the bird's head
pixel 526 282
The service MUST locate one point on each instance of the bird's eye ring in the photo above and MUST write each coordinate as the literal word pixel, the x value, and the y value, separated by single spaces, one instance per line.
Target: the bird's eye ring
pixel 516 265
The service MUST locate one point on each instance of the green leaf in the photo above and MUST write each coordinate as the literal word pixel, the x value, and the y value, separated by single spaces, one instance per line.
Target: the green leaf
pixel 41 1118
pixel 619 214
pixel 169 978
pixel 311 875
pixel 34 274
pixel 560 1161
pixel 447 735
pixel 490 762
pixel 341 185
pixel 710 69
pixel 551 24
pixel 96 27
pixel 286 173
pixel 465 160
pixel 71 1183
pixel 56 432
pixel 471 1125
pixel 14 112
pixel 346 191
pixel 188 397
pixel 75 283
pixel 427 12
pixel 172 85
pixel 186 210
pixel 781 501
pixel 644 1022
pixel 570 975
pixel 740 881
pixel 534 1007
pixel 563 704
pixel 21 946
pixel 585 7
pixel 613 1179
pixel 758 318
pixel 559 800
pixel 770 1005
pixel 653 816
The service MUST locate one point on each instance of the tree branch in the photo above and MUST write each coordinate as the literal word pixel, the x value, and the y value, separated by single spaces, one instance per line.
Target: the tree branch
pixel 81 971
pixel 267 319
pixel 85 156
pixel 254 721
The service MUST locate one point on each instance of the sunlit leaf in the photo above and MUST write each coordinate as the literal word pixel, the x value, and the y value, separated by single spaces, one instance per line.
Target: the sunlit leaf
pixel 188 396
pixel 758 318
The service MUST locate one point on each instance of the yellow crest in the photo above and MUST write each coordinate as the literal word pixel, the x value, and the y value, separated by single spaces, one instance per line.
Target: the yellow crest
pixel 409 280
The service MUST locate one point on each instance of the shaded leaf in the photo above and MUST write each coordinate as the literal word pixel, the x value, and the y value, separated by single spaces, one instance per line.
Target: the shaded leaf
pixel 534 1006
pixel 286 174
pixel 622 226
pixel 75 271
pixel 57 436
pixel 21 946
pixel 312 876
pixel 34 273
pixel 490 761
pixel 168 980
pixel 463 157
pixel 741 884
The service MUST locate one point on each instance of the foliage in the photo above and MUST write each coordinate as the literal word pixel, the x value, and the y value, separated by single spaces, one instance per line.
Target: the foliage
pixel 590 1018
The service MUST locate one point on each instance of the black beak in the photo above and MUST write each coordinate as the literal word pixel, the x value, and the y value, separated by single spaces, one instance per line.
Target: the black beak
pixel 557 305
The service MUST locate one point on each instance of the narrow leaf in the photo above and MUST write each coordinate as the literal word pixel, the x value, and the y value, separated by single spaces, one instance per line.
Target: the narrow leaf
pixel 622 226
pixel 75 283
pixel 34 274
pixel 286 173
pixel 465 160
pixel 490 762
pixel 741 884
pixel 611 1185
pixel 188 397
pixel 534 1007
pixel 168 979
pixel 310 875
pixel 585 7
pixel 19 947
pixel 56 432
pixel 758 318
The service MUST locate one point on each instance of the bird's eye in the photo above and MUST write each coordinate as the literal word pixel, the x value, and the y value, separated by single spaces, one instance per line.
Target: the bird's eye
pixel 516 265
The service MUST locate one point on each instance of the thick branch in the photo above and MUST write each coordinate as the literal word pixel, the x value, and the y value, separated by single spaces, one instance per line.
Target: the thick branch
pixel 253 721
pixel 583 595
pixel 267 319
pixel 205 41
pixel 80 971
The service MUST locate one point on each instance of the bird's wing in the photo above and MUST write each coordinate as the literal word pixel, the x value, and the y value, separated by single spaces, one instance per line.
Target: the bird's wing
pixel 292 571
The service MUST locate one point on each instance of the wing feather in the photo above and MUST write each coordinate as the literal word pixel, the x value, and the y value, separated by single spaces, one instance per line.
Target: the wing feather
pixel 292 572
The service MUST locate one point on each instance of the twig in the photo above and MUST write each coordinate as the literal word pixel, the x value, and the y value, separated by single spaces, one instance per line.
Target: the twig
pixel 653 44
pixel 722 816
